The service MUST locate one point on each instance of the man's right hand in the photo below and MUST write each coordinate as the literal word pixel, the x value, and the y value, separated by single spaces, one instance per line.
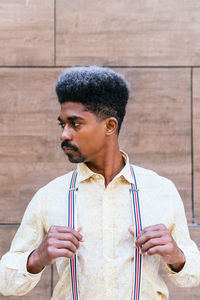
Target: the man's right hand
pixel 60 241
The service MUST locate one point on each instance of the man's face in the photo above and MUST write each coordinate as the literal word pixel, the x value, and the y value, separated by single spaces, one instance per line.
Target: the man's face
pixel 83 135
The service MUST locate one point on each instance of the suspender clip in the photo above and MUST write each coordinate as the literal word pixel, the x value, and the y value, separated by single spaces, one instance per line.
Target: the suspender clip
pixel 73 189
pixel 133 190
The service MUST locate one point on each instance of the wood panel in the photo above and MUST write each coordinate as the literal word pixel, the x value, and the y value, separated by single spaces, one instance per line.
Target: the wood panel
pixel 177 293
pixel 30 147
pixel 155 133
pixel 196 138
pixel 43 289
pixel 27 32
pixel 128 33
pixel 156 130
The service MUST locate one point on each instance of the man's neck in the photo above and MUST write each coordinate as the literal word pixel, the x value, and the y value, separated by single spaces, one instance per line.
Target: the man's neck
pixel 108 164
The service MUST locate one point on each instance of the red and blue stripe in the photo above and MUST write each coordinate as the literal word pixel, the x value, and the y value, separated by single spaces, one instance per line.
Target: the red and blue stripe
pixel 71 223
pixel 138 229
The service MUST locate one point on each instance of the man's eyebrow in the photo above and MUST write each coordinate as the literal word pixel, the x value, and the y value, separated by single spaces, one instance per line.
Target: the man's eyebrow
pixel 71 118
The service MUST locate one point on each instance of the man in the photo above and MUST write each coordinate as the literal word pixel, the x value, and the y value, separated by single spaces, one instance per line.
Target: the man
pixel 125 218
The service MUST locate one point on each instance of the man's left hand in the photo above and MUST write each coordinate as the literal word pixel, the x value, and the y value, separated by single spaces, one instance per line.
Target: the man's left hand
pixel 157 239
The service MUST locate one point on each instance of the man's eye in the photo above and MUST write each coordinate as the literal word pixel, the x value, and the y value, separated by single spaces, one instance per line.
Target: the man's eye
pixel 75 124
pixel 62 125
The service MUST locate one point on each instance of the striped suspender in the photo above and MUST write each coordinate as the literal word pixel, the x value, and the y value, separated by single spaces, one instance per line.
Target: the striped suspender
pixel 138 228
pixel 71 223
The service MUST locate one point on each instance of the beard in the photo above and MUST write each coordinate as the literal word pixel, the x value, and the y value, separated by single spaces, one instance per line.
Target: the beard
pixel 75 159
pixel 74 156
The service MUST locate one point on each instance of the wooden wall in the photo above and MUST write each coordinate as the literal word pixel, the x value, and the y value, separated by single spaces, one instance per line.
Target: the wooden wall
pixel 154 43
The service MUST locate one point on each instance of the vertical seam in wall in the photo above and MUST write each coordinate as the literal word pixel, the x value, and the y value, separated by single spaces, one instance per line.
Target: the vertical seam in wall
pixel 192 143
pixel 54 32
pixel 54 65
pixel 51 280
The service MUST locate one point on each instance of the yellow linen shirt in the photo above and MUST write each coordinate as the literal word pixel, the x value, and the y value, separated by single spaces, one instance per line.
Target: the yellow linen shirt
pixel 105 258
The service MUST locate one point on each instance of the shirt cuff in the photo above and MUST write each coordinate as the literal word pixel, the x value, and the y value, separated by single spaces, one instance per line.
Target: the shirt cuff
pixel 181 277
pixel 20 264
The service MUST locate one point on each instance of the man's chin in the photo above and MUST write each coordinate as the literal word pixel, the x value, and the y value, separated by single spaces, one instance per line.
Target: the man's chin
pixel 75 160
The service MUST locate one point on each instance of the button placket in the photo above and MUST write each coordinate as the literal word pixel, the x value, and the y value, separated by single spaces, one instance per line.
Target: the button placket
pixel 108 245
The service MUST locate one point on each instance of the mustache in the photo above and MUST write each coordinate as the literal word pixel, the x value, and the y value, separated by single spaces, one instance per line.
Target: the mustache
pixel 68 145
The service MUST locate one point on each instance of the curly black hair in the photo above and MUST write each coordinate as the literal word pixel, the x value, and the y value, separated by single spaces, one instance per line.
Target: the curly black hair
pixel 101 90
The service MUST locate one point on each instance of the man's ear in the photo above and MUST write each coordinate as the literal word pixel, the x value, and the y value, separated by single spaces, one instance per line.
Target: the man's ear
pixel 111 125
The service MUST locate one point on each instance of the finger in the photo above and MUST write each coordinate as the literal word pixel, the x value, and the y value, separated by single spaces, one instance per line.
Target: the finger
pixel 156 227
pixel 146 236
pixel 79 229
pixel 152 243
pixel 65 245
pixel 63 253
pixel 131 229
pixel 161 250
pixel 64 229
pixel 67 237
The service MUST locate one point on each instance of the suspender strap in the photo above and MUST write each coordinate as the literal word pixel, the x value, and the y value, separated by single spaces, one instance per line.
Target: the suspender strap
pixel 71 223
pixel 138 228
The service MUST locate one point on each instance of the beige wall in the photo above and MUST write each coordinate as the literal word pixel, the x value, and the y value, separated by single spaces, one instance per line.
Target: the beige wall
pixel 154 43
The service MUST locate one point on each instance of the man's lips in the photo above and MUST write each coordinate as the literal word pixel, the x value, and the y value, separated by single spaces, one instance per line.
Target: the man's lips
pixel 67 149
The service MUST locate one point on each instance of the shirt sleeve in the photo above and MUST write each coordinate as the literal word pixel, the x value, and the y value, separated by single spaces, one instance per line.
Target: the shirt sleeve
pixel 190 274
pixel 14 277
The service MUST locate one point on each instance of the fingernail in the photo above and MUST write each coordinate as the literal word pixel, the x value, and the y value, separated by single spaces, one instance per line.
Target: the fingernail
pixel 134 245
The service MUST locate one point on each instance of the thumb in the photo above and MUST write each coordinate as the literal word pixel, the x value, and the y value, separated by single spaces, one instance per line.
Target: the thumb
pixel 79 228
pixel 131 229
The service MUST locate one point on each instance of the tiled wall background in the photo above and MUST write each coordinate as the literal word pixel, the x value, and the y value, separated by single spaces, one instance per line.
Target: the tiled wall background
pixel 154 43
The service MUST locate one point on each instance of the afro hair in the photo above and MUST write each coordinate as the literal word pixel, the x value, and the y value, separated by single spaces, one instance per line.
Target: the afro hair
pixel 101 90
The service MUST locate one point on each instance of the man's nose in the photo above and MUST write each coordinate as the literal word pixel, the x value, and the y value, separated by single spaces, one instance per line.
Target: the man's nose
pixel 66 134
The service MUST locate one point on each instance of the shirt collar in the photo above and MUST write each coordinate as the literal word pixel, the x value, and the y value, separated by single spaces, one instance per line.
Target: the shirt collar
pixel 85 173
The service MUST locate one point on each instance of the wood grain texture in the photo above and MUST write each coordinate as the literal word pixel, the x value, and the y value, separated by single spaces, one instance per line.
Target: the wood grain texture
pixel 27 33
pixel 155 133
pixel 43 289
pixel 175 292
pixel 156 130
pixel 196 141
pixel 30 147
pixel 128 33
